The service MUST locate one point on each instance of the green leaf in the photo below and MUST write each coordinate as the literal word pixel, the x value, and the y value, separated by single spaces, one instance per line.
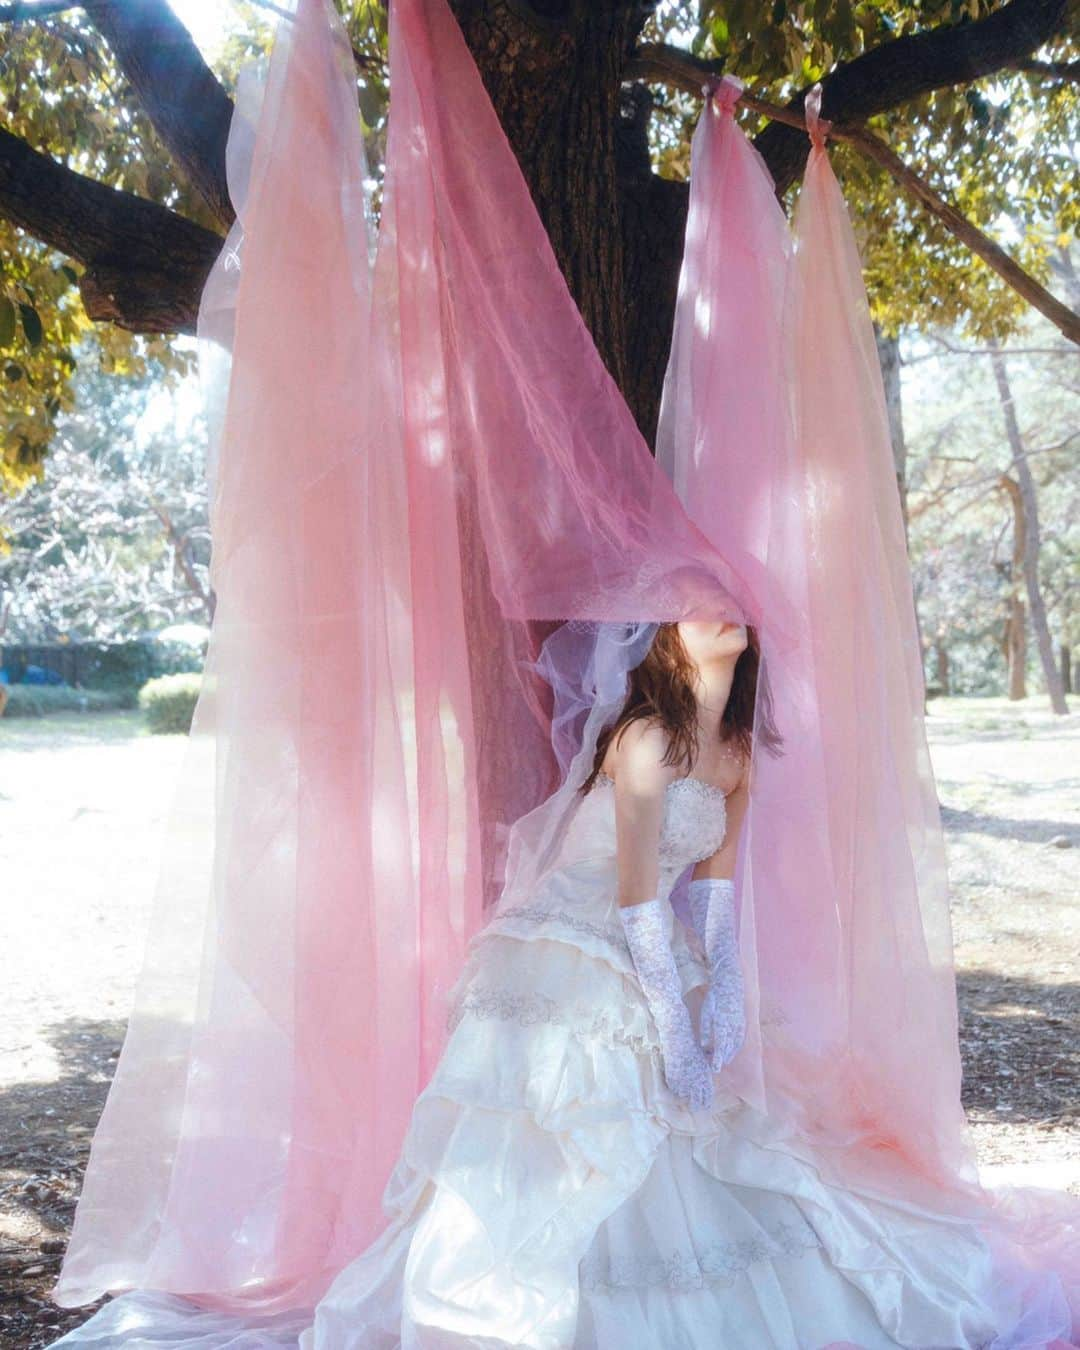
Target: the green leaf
pixel 31 322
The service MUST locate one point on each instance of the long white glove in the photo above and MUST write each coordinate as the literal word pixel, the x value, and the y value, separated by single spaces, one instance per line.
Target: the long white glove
pixel 723 1013
pixel 686 1069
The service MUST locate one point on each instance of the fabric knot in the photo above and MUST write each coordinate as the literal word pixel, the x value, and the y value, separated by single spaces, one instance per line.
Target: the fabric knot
pixel 816 125
pixel 725 92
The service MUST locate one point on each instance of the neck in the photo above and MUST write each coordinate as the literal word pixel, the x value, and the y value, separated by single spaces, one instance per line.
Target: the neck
pixel 714 682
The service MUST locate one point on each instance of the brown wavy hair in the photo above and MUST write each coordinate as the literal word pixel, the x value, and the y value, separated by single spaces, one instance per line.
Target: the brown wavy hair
pixel 662 690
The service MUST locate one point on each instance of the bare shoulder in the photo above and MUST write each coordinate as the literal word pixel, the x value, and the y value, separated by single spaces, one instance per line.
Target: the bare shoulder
pixel 635 758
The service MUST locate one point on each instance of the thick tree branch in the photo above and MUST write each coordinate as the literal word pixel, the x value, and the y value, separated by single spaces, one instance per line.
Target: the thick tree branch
pixel 882 78
pixel 1051 70
pixel 1061 316
pixel 190 110
pixel 897 71
pixel 689 73
pixel 661 63
pixel 145 265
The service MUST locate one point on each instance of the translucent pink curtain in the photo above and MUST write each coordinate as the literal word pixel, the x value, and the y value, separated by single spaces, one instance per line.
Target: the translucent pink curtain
pixel 775 432
pixel 415 462
pixel 884 831
pixel 289 1005
pixel 885 886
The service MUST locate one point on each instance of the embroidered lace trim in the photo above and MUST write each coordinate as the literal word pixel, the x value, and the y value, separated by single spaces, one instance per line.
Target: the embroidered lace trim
pixel 610 933
pixel 532 1009
pixel 716 1263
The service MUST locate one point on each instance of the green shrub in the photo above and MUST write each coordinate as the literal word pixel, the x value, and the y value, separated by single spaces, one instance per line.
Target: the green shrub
pixel 169 702
pixel 120 668
pixel 38 700
pixel 128 665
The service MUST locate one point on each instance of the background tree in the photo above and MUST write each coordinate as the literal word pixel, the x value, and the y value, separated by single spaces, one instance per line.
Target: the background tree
pixel 993 431
pixel 112 179
pixel 115 541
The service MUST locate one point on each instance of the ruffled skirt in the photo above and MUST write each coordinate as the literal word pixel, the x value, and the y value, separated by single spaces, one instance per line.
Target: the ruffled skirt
pixel 552 1194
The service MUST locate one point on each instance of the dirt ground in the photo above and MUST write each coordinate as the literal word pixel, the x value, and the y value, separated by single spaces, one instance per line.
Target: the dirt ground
pixel 82 804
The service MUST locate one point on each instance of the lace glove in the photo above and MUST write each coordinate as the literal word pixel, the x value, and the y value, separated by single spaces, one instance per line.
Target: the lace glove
pixel 723 1013
pixel 686 1070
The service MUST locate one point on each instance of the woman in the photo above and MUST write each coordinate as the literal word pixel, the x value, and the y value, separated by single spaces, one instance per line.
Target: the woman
pixel 577 1173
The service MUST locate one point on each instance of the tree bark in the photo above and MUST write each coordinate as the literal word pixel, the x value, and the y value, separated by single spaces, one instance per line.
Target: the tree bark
pixel 1016 647
pixel 888 349
pixel 555 73
pixel 145 265
pixel 1025 484
pixel 1015 642
pixel 943 674
pixel 180 94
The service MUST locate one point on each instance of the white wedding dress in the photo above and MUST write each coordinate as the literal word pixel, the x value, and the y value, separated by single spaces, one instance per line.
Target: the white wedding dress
pixel 553 1194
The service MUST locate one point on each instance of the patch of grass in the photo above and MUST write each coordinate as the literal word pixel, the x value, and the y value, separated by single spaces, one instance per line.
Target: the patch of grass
pixel 59 731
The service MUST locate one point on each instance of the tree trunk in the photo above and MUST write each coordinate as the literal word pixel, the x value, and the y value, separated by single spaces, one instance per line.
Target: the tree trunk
pixel 942 671
pixel 1030 511
pixel 888 349
pixel 1016 647
pixel 1066 668
pixel 554 71
pixel 1015 640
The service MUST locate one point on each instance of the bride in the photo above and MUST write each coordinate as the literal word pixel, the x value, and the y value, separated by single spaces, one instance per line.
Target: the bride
pixel 576 1173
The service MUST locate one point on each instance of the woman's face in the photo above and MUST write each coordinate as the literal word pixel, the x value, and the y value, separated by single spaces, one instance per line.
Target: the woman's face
pixel 707 641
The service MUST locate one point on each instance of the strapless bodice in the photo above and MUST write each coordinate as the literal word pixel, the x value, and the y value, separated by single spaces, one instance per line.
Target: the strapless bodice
pixel 574 901
pixel 693 826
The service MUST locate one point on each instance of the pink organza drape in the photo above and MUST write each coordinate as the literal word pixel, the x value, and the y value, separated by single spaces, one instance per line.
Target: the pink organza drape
pixel 773 428
pixel 844 907
pixel 418 461
pixel 415 460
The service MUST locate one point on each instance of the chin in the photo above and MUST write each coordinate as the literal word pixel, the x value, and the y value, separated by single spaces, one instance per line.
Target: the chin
pixel 730 639
pixel 707 641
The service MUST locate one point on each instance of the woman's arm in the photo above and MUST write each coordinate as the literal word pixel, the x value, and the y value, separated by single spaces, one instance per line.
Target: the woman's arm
pixel 641 780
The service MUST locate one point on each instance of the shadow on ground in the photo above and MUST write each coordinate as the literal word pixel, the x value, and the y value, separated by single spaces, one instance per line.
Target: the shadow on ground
pixel 45 1129
pixel 1020 1046
pixel 958 821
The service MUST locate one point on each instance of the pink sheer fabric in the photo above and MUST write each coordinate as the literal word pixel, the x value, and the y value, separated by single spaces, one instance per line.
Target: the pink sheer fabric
pixel 419 461
pixel 413 463
pixel 260 1081
pixel 842 887
pixel 848 894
